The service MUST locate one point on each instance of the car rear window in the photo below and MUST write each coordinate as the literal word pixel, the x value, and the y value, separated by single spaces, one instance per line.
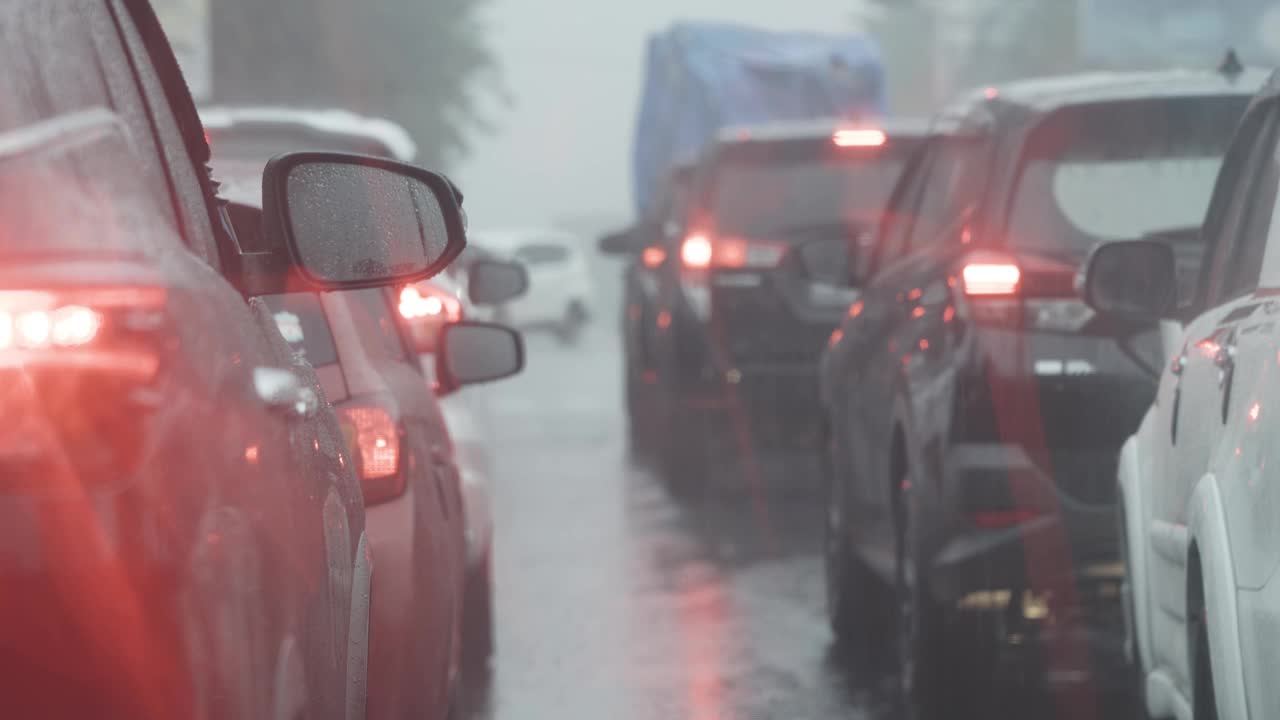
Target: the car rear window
pixel 304 325
pixel 542 253
pixel 790 190
pixel 1113 171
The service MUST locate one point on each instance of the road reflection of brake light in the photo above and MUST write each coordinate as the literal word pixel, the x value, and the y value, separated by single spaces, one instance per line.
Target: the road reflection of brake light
pixel 695 251
pixel 653 256
pixel 859 138
pixel 991 278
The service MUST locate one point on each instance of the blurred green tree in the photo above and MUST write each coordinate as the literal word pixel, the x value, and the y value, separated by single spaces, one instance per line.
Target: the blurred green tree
pixel 422 63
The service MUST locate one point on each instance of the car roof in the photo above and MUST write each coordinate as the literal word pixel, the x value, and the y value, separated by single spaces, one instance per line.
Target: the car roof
pixel 1044 95
pixel 340 122
pixel 901 127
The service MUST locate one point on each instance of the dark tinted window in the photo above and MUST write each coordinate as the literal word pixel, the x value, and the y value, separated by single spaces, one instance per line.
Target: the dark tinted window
pixel 788 190
pixel 304 325
pixel 1114 171
pixel 954 185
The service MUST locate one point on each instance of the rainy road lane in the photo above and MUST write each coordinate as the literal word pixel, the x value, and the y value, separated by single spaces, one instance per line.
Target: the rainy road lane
pixel 614 600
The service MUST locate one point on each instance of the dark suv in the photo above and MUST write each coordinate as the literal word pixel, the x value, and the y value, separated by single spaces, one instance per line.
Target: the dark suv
pixel 974 404
pixel 751 283
pixel 181 532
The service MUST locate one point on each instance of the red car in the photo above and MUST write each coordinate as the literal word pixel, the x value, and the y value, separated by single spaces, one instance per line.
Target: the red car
pixel 409 477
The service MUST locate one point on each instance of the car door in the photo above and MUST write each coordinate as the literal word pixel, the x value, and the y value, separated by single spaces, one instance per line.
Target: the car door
pixel 1205 373
pixel 869 361
pixel 313 529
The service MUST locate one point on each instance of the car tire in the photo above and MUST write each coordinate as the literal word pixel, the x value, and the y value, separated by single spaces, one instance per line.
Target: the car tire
pixel 685 456
pixel 857 600
pixel 944 665
pixel 477 624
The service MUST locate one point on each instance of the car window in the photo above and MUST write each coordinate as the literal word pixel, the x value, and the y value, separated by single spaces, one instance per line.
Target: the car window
pixel 191 195
pixel 1119 171
pixel 953 189
pixel 900 215
pixel 1228 220
pixel 376 323
pixel 1244 271
pixel 304 325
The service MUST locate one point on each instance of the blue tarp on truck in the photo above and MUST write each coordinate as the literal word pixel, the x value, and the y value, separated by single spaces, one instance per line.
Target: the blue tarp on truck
pixel 701 77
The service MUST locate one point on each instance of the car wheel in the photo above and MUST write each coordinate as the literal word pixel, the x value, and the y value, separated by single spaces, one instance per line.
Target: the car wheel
pixel 857 600
pixel 477 629
pixel 1204 699
pixel 944 667
pixel 686 457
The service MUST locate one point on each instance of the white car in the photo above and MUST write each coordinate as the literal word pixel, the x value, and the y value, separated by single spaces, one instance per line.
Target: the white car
pixel 559 296
pixel 1200 500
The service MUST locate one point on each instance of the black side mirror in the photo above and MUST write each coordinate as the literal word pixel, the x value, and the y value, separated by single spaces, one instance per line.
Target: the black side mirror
pixel 493 282
pixel 350 221
pixel 472 353
pixel 1134 281
pixel 619 243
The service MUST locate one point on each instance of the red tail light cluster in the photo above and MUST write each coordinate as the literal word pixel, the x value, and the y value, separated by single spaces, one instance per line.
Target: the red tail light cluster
pixel 988 279
pixel 867 137
pixel 653 256
pixel 107 329
pixel 429 302
pixel 373 438
pixel 700 251
pixel 1035 294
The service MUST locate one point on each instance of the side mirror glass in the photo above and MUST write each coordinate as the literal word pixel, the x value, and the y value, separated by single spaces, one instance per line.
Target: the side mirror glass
pixel 473 353
pixel 618 243
pixel 493 282
pixel 351 221
pixel 1134 281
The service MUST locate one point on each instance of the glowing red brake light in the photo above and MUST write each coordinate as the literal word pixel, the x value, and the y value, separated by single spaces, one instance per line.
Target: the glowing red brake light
pixel 373 437
pixel 859 138
pixel 991 279
pixel 89 328
pixel 653 256
pixel 414 304
pixel 695 251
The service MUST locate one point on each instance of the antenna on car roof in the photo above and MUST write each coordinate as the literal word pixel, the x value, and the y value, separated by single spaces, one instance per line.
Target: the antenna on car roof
pixel 1230 67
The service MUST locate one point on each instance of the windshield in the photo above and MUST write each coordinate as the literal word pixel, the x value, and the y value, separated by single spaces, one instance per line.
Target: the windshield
pixel 1120 171
pixel 639 359
pixel 782 192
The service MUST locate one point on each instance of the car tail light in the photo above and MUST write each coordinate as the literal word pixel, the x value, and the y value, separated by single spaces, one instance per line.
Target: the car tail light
pixel 373 438
pixel 1031 293
pixel 991 279
pixel 701 252
pixel 94 329
pixel 74 365
pixel 653 256
pixel 696 252
pixel 429 302
pixel 859 138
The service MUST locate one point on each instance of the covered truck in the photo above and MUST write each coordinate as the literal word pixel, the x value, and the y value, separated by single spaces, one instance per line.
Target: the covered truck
pixel 701 77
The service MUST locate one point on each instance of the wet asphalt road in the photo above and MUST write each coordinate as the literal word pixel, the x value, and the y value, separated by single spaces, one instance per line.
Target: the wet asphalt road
pixel 614 599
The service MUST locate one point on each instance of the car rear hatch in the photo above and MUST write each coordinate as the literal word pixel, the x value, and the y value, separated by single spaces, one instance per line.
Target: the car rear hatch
pixel 1064 380
pixel 771 247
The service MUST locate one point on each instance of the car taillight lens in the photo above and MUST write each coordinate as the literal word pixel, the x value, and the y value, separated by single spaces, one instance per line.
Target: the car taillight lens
pixel 373 438
pixel 866 137
pixel 97 329
pixel 702 252
pixel 986 279
pixel 653 256
pixel 73 367
pixel 429 302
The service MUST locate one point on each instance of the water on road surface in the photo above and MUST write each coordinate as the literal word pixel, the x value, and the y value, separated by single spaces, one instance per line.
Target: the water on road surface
pixel 613 599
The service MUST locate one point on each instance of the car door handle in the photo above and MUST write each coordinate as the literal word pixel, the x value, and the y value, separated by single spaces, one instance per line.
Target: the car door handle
pixel 283 393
